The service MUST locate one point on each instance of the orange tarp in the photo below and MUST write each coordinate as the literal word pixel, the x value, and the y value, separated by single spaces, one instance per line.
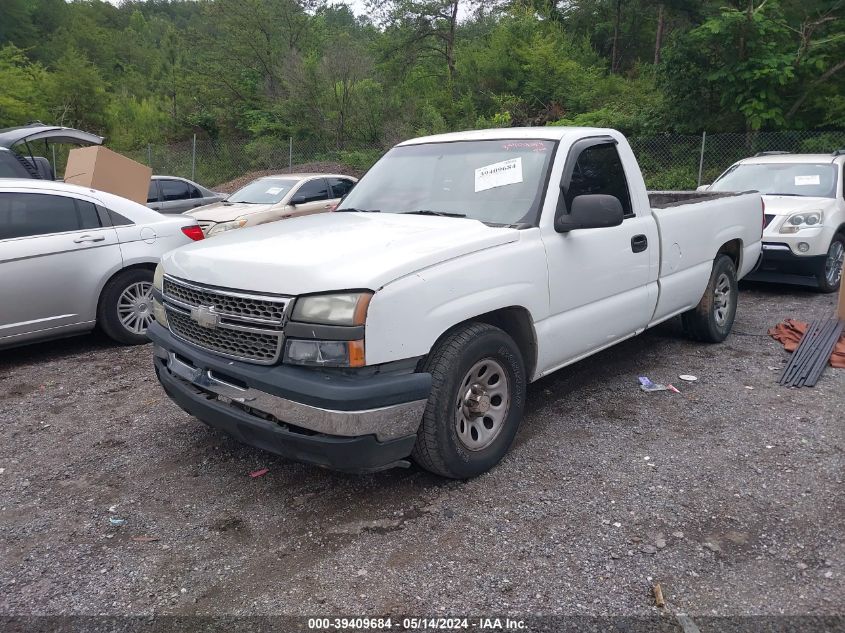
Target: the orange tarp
pixel 790 332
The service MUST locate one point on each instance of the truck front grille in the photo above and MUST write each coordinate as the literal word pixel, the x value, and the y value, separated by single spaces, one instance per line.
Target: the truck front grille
pixel 251 346
pixel 230 323
pixel 252 307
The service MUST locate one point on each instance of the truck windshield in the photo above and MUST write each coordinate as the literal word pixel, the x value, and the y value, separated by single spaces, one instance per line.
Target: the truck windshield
pixel 264 191
pixel 497 181
pixel 785 179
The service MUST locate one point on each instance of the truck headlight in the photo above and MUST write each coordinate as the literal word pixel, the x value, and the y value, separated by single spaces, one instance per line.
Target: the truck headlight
pixel 158 278
pixel 227 226
pixel 349 308
pixel 804 220
pixel 324 353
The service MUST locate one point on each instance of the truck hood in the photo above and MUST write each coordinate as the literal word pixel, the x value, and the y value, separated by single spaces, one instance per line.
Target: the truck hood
pixel 223 212
pixel 786 205
pixel 331 251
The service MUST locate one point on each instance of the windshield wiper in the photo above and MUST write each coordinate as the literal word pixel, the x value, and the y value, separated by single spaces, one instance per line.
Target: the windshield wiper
pixel 794 195
pixel 354 210
pixel 440 213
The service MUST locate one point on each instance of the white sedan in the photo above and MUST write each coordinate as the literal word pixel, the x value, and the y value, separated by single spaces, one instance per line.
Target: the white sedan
pixel 73 258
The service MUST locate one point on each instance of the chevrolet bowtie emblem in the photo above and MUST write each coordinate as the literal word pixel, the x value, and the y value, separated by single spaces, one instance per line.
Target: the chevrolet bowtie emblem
pixel 205 316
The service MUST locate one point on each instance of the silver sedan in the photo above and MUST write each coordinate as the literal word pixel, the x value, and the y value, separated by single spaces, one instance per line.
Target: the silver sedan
pixel 73 258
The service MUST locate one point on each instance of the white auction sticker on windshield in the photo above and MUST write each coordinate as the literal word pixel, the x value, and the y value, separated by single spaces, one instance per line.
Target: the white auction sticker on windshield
pixel 807 180
pixel 508 172
pixel 274 191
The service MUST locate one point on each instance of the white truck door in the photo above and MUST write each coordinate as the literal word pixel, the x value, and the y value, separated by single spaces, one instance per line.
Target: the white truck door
pixel 599 290
pixel 54 253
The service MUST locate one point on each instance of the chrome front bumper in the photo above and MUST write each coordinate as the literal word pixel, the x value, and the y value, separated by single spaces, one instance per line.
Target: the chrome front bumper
pixel 386 423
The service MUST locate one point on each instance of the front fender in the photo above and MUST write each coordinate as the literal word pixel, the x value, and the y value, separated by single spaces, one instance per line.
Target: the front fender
pixel 407 316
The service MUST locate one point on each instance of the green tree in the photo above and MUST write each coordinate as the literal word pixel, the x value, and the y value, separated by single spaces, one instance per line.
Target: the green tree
pixel 21 98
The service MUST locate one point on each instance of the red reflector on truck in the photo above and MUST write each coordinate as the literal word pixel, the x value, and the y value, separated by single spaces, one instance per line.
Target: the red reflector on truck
pixel 194 232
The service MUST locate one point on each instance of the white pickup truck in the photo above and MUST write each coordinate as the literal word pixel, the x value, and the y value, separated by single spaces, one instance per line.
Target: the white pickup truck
pixel 408 323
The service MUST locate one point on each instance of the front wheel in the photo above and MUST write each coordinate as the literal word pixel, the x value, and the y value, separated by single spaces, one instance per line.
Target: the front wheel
pixel 712 319
pixel 829 275
pixel 476 403
pixel 126 306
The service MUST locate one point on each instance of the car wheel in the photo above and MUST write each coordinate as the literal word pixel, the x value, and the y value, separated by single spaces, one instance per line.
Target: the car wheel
pixel 829 275
pixel 125 310
pixel 712 319
pixel 476 403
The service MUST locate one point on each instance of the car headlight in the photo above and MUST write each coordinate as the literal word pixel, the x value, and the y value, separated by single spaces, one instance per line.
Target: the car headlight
pixel 158 278
pixel 349 308
pixel 324 353
pixel 227 226
pixel 803 220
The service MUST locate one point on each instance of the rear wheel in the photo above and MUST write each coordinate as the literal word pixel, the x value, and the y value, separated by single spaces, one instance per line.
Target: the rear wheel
pixel 712 319
pixel 126 306
pixel 476 403
pixel 829 275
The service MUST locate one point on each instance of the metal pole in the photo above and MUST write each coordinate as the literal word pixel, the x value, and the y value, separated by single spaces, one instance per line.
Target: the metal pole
pixel 194 159
pixel 290 155
pixel 55 169
pixel 701 160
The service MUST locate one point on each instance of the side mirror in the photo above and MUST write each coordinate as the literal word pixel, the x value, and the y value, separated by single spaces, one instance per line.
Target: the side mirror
pixel 592 211
pixel 702 187
pixel 297 199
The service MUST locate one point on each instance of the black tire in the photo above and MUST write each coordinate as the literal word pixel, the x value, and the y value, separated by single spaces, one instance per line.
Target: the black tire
pixel 711 320
pixel 107 310
pixel 825 284
pixel 439 448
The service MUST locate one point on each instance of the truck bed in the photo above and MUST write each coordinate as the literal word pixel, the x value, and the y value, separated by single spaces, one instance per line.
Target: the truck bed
pixel 692 227
pixel 667 199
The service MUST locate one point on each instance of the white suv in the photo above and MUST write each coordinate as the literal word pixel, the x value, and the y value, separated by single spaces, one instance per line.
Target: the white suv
pixel 804 234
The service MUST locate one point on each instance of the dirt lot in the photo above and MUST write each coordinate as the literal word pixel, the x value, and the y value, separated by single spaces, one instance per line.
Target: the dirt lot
pixel 729 494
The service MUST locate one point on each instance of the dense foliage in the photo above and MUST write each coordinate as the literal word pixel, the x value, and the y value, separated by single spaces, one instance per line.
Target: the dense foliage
pixel 161 70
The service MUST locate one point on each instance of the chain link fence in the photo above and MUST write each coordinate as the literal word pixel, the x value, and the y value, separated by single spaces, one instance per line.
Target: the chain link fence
pixel 675 161
pixel 669 161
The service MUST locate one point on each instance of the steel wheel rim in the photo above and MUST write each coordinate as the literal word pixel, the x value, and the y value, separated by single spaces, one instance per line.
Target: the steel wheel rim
pixel 833 264
pixel 135 307
pixel 482 404
pixel 722 299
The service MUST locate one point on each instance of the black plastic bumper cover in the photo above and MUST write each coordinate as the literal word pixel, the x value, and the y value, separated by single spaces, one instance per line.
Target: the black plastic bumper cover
pixel 334 391
pixel 348 454
pixel 329 391
pixel 786 262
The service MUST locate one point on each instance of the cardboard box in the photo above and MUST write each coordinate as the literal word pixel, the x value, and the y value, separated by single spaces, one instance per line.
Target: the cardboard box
pixel 100 168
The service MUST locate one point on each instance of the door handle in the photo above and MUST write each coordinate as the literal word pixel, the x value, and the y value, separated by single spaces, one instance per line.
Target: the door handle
pixel 89 238
pixel 639 243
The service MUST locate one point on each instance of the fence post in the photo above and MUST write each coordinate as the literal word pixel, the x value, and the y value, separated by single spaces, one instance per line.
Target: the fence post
pixel 290 155
pixel 194 159
pixel 149 155
pixel 701 160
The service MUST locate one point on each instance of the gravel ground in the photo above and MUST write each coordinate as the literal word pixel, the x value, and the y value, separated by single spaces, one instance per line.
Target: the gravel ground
pixel 729 494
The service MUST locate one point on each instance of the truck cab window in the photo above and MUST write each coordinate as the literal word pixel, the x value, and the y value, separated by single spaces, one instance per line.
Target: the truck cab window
pixel 599 170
